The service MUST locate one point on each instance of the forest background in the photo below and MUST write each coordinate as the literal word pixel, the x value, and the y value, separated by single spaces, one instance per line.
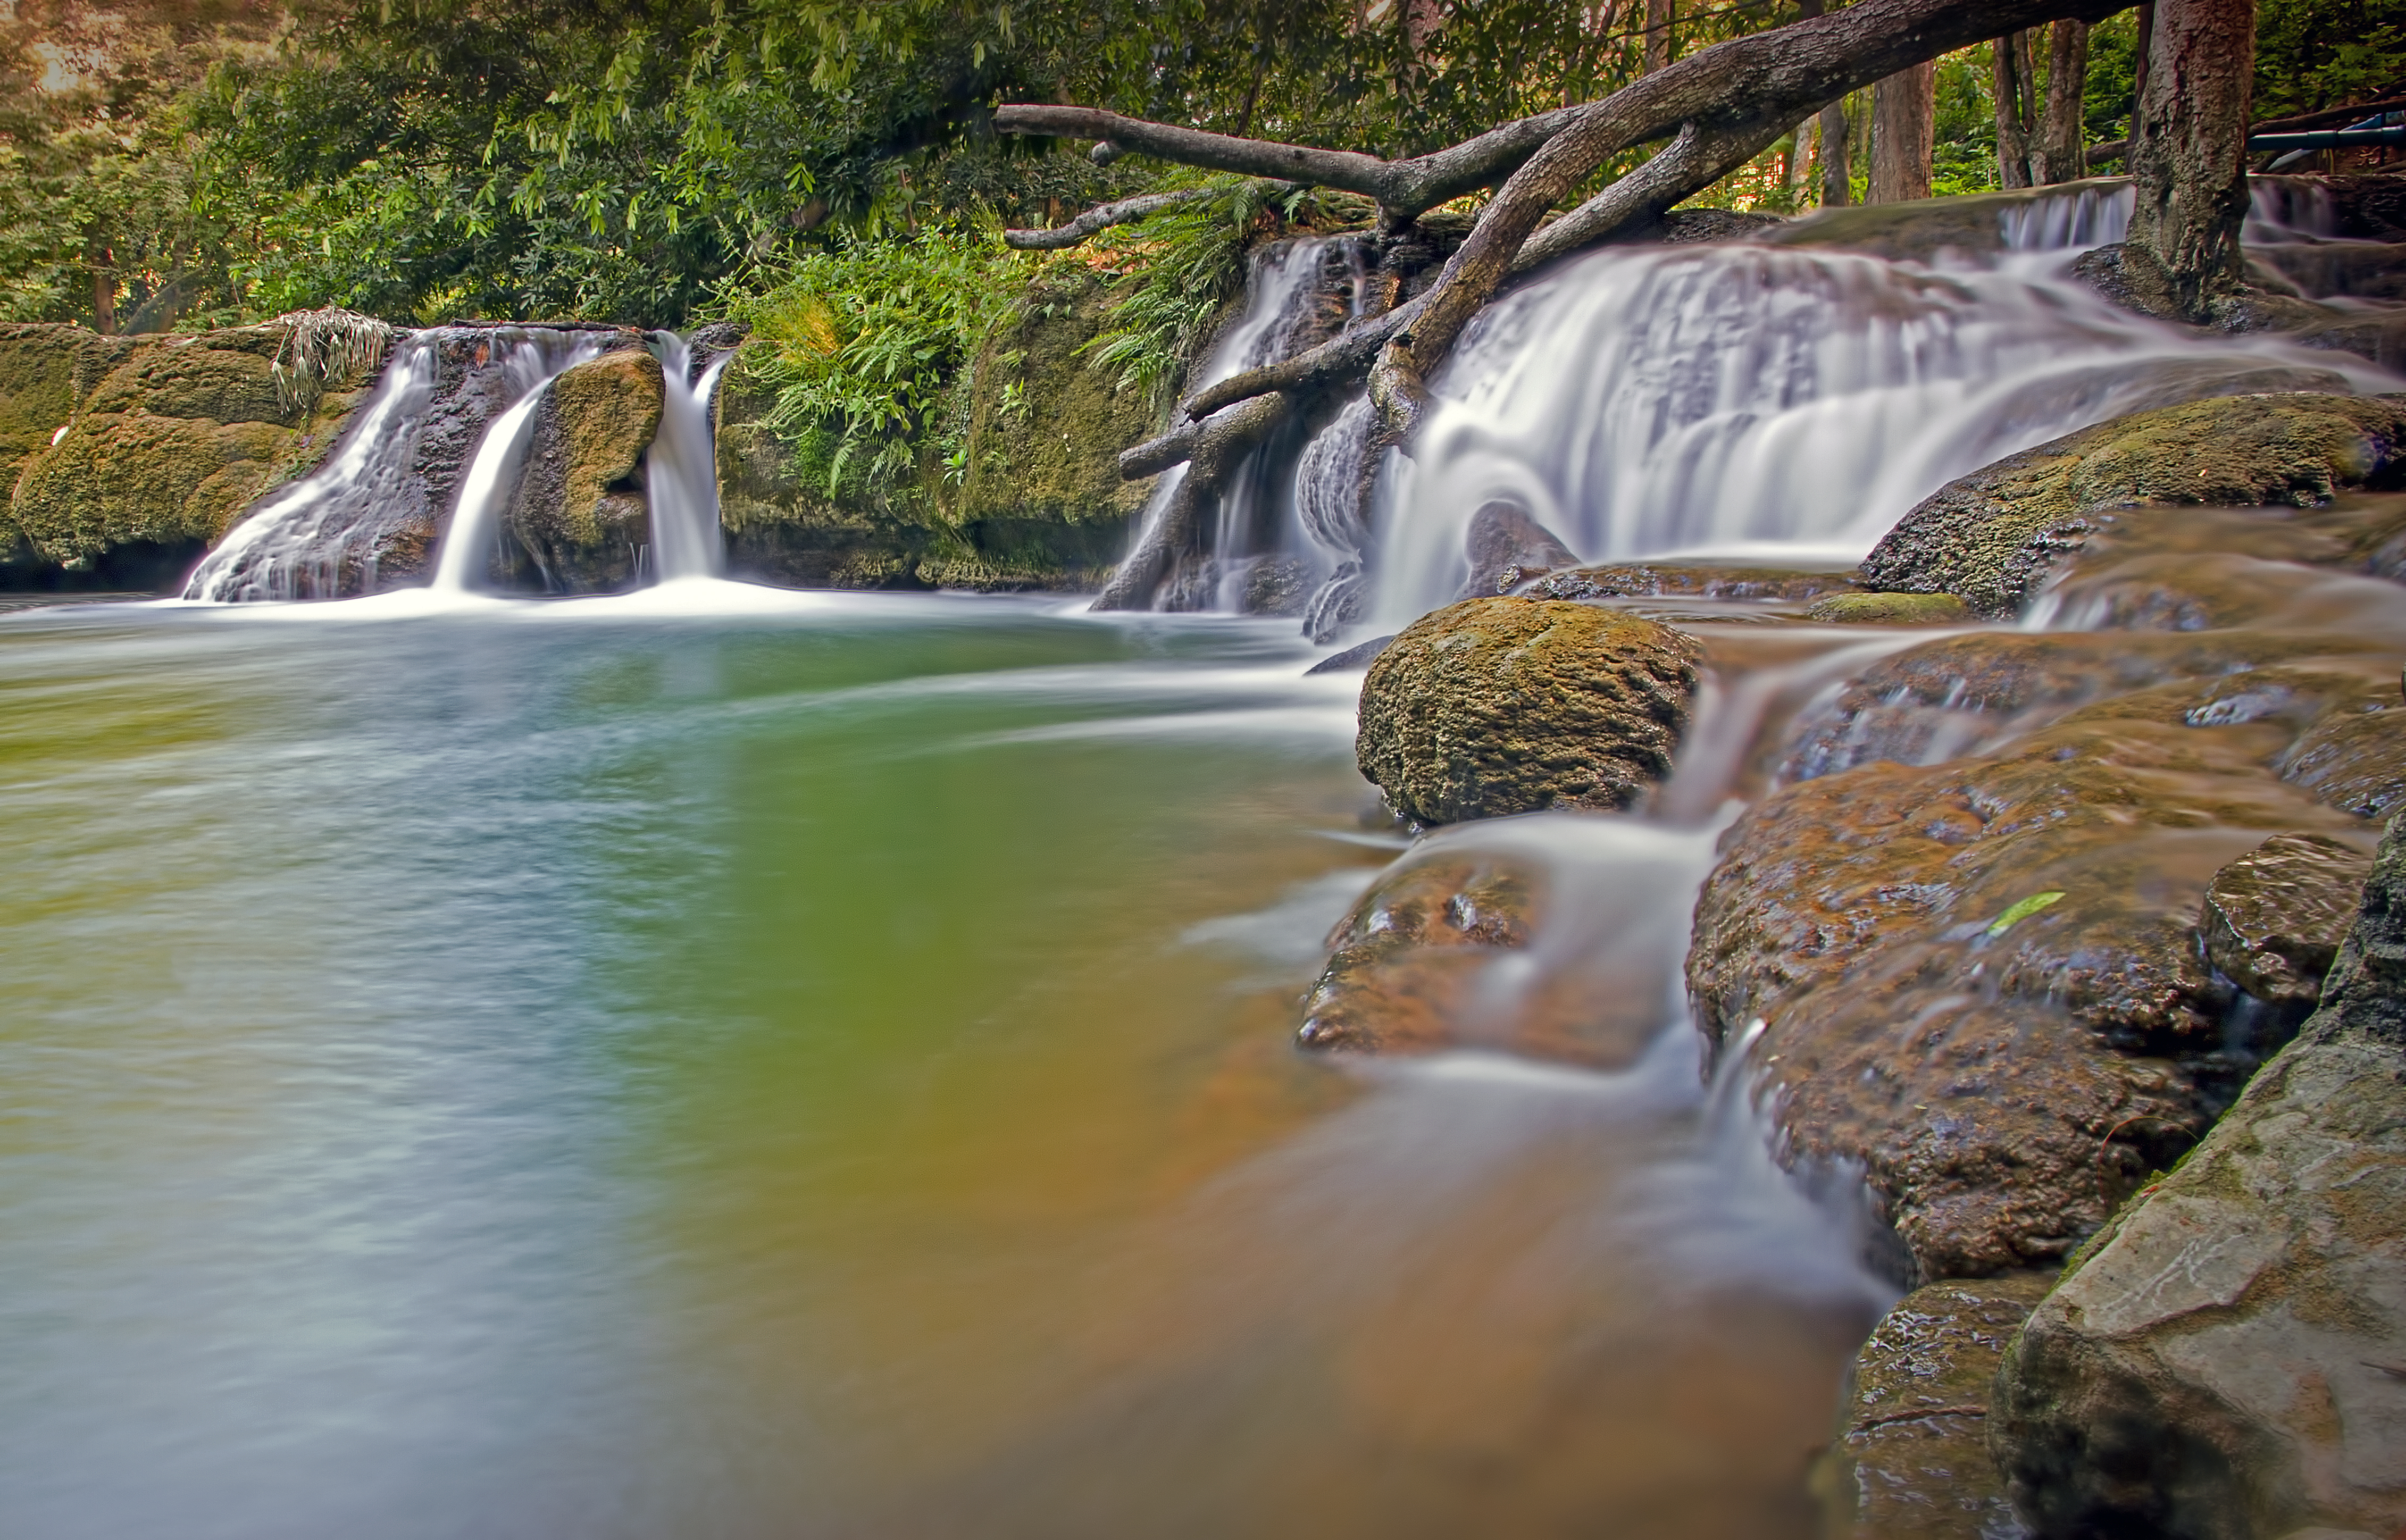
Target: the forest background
pixel 824 172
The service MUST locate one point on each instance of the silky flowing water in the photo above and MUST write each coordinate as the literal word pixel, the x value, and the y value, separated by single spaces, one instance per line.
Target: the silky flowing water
pixel 721 1063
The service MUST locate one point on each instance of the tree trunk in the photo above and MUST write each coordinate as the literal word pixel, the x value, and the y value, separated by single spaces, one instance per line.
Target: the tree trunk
pixel 104 286
pixel 1837 170
pixel 2139 75
pixel 1658 34
pixel 2189 149
pixel 2059 156
pixel 1904 120
pixel 1800 157
pixel 2016 102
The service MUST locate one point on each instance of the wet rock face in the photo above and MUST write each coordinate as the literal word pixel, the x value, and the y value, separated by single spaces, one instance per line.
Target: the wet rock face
pixel 1497 706
pixel 1403 960
pixel 1506 547
pixel 2275 918
pixel 1911 1461
pixel 580 510
pixel 2228 1360
pixel 1983 979
pixel 1994 536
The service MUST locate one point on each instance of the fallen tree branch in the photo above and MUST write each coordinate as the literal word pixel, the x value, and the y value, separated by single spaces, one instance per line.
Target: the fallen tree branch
pixel 1694 161
pixel 1217 444
pixel 1343 357
pixel 1405 189
pixel 1103 217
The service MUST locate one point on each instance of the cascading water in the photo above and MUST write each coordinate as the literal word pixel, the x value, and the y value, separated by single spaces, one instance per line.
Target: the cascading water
pixel 381 490
pixel 1284 299
pixel 680 471
pixel 295 543
pixel 471 543
pixel 1737 397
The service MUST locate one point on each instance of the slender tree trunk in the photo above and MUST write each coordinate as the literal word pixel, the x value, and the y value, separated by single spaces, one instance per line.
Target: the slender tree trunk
pixel 1658 20
pixel 1799 159
pixel 2010 75
pixel 2139 75
pixel 2188 155
pixel 2059 155
pixel 103 263
pixel 1904 120
pixel 1837 170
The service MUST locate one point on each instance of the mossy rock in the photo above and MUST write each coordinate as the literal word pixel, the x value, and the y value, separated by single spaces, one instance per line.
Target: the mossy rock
pixel 1505 705
pixel 580 510
pixel 1890 609
pixel 168 440
pixel 1991 537
pixel 1046 427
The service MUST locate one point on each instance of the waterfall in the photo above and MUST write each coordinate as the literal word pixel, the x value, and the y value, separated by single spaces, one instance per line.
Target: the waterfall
pixel 1664 400
pixel 296 542
pixel 1283 295
pixel 445 389
pixel 2087 216
pixel 681 473
pixel 469 545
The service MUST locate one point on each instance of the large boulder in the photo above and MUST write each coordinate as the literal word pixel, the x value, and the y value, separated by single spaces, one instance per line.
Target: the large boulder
pixel 1497 706
pixel 1995 535
pixel 2227 1361
pixel 580 510
pixel 130 456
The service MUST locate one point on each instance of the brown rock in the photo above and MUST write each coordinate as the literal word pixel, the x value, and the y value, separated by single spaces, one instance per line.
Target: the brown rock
pixel 1507 548
pixel 1409 951
pixel 2002 1062
pixel 1912 1455
pixel 2226 1360
pixel 2275 918
pixel 580 510
pixel 1497 706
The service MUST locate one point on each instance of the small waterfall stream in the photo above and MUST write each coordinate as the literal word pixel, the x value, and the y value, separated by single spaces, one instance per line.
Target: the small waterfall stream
pixel 470 544
pixel 680 474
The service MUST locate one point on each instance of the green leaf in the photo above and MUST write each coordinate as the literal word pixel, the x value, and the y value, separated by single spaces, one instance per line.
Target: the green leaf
pixel 2020 911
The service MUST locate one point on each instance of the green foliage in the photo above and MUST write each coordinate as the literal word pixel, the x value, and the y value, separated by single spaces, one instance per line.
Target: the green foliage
pixel 865 347
pixel 2316 53
pixel 1963 148
pixel 1174 274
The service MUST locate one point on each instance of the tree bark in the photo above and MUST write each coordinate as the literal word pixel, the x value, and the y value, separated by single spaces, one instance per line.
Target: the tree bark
pixel 103 263
pixel 1658 20
pixel 2010 78
pixel 2057 155
pixel 1103 217
pixel 2188 156
pixel 1904 120
pixel 1837 166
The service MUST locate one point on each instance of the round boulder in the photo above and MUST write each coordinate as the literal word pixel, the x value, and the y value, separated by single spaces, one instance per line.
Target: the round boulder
pixel 1497 706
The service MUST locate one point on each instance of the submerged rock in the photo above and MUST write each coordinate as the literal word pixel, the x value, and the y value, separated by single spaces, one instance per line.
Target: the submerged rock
pixel 2228 1360
pixel 1411 948
pixel 1994 535
pixel 1497 706
pixel 580 510
pixel 1911 1461
pixel 1689 580
pixel 1890 609
pixel 1507 548
pixel 1355 657
pixel 2275 918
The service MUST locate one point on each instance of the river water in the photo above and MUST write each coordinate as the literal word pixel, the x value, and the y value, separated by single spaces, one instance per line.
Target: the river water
pixel 732 1063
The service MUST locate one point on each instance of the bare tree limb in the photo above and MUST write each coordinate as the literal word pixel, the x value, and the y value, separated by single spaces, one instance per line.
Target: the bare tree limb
pixel 1405 189
pixel 1103 217
pixel 1341 358
pixel 1218 443
pixel 1692 161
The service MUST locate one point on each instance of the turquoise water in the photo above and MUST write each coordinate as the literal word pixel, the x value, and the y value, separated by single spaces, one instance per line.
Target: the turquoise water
pixel 747 1065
